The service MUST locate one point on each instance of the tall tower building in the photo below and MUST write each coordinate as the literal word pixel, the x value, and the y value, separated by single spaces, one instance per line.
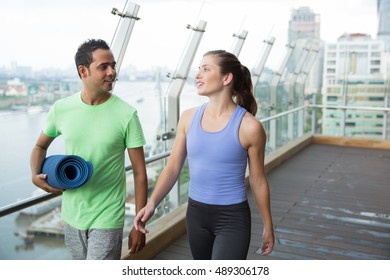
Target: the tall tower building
pixel 304 32
pixel 383 9
pixel 304 24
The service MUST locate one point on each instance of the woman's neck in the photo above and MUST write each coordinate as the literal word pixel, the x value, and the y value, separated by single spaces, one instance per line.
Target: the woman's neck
pixel 220 106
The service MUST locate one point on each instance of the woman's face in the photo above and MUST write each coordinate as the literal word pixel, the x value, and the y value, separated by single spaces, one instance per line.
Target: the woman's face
pixel 209 79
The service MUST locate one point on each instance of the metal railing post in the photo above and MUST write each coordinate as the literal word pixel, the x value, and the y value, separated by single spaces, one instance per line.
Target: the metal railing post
pixel 239 40
pixel 122 34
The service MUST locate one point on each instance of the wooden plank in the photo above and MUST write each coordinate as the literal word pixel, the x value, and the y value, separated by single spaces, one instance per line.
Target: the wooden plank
pixel 351 142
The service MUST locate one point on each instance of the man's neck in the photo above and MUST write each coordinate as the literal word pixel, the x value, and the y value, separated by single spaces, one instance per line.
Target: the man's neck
pixel 95 98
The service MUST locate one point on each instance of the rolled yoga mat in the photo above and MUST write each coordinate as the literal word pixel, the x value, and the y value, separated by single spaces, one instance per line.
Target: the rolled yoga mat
pixel 66 171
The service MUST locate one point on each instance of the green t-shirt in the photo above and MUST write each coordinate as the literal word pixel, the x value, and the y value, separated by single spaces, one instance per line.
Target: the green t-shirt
pixel 99 134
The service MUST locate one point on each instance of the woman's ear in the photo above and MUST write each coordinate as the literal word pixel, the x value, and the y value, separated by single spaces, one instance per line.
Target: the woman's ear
pixel 227 79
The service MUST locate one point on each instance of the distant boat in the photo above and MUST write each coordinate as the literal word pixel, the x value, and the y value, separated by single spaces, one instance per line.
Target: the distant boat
pixel 19 108
pixel 130 205
pixel 140 100
pixel 49 224
pixel 34 109
pixel 130 209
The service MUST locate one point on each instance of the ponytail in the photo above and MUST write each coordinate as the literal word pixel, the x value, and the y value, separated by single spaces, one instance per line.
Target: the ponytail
pixel 243 93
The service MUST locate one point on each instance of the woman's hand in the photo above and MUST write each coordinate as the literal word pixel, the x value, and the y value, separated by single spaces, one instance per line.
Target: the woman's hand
pixel 142 217
pixel 268 242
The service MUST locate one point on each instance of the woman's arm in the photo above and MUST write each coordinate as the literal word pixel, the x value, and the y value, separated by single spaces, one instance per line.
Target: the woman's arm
pixel 169 175
pixel 253 137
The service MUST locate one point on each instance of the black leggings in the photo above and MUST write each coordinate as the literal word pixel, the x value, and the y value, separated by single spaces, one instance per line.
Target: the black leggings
pixel 218 232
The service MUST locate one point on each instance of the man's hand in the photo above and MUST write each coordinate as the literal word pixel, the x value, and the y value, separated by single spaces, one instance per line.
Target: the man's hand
pixel 136 241
pixel 40 181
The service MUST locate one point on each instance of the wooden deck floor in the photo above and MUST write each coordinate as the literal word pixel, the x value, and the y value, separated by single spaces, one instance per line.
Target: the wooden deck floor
pixel 328 202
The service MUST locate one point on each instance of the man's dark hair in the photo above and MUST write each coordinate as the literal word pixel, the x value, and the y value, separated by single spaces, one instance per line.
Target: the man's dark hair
pixel 84 52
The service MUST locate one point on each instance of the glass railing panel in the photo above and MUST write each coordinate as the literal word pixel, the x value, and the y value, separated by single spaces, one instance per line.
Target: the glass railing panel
pixel 34 233
pixel 153 170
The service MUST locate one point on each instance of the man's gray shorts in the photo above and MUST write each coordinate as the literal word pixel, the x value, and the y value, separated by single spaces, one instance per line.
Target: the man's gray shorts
pixel 94 244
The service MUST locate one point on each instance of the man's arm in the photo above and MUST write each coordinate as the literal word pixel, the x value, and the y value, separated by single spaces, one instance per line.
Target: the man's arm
pixel 38 156
pixel 136 240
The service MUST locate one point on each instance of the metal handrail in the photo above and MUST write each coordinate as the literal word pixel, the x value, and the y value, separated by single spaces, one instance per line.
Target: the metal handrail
pixel 283 114
pixel 31 201
pixel 341 107
pixel 347 107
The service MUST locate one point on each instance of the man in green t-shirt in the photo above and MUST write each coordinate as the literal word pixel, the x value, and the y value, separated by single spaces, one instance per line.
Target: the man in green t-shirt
pixel 99 127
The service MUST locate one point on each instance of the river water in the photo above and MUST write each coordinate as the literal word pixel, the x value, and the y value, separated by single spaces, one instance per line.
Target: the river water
pixel 19 132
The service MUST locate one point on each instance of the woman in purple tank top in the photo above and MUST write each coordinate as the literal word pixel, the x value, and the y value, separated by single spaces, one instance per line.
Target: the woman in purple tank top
pixel 218 216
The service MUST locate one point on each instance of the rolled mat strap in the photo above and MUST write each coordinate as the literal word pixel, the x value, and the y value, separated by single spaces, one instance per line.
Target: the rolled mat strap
pixel 66 171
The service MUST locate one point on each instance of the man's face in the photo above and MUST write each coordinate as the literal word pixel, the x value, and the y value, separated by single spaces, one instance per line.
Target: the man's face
pixel 101 73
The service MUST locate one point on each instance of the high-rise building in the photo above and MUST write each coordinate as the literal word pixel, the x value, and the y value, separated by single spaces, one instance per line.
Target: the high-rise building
pixel 354 75
pixel 304 33
pixel 304 23
pixel 383 9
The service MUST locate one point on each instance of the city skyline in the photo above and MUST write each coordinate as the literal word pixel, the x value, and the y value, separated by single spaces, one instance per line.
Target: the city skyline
pixel 44 33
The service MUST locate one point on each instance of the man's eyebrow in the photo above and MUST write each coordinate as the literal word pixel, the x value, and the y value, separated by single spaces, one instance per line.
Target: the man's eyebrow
pixel 107 63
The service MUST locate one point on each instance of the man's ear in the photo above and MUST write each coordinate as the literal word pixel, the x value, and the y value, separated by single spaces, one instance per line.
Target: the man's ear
pixel 83 71
pixel 227 79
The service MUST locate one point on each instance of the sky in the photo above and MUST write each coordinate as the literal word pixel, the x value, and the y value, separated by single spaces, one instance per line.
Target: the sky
pixel 46 33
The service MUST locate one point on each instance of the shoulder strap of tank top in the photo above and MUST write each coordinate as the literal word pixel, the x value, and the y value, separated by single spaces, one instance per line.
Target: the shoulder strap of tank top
pixel 197 116
pixel 237 117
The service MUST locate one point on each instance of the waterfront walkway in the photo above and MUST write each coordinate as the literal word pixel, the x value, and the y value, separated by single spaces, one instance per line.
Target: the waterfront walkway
pixel 328 202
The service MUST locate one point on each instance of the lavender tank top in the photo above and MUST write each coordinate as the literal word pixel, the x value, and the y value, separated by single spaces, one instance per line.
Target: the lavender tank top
pixel 217 161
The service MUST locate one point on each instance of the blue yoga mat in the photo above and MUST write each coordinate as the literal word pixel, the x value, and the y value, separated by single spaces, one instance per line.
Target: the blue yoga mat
pixel 66 171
